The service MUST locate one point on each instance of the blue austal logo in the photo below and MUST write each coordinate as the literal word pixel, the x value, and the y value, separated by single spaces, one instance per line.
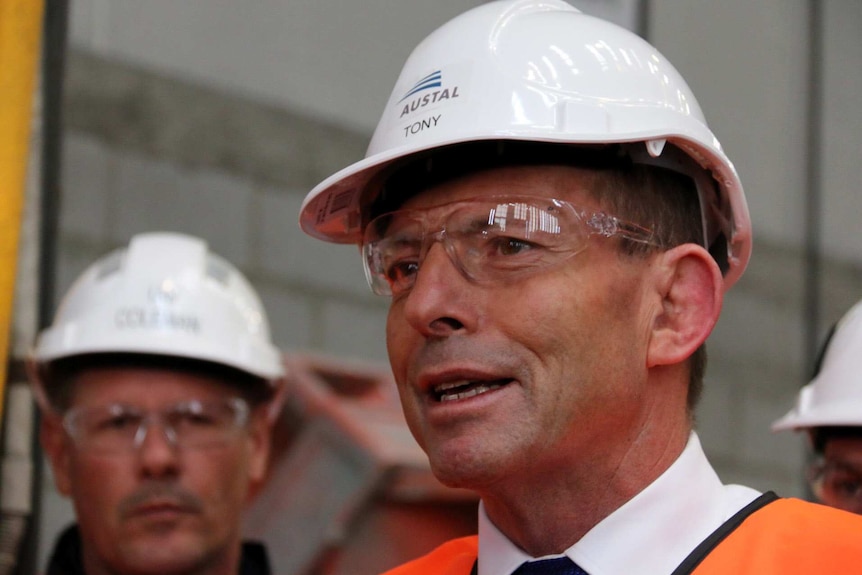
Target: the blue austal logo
pixel 432 80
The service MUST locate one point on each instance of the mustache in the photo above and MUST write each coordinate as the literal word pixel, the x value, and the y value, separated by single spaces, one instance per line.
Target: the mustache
pixel 465 351
pixel 160 492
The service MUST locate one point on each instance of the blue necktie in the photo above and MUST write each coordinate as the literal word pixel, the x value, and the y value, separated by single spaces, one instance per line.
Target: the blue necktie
pixel 558 566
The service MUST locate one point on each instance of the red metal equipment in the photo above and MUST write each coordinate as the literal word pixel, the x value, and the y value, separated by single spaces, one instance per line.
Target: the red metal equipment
pixel 350 492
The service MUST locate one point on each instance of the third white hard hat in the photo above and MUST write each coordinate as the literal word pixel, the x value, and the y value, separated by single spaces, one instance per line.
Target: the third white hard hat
pixel 834 396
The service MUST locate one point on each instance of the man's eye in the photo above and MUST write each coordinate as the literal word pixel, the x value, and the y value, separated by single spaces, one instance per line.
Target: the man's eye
pixel 400 271
pixel 847 486
pixel 492 244
pixel 194 419
pixel 511 246
pixel 195 415
pixel 119 422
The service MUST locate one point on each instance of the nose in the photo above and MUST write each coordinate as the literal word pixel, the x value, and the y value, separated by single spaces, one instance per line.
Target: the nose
pixel 158 452
pixel 437 304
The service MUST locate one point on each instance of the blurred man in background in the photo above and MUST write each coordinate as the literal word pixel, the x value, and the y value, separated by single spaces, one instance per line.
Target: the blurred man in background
pixel 829 410
pixel 556 227
pixel 155 382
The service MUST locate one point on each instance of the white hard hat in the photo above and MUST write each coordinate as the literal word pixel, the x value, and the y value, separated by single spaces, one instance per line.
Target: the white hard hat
pixel 834 396
pixel 538 70
pixel 166 294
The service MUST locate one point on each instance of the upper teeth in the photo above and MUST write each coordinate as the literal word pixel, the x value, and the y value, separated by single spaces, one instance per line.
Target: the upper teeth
pixel 446 386
pixel 476 389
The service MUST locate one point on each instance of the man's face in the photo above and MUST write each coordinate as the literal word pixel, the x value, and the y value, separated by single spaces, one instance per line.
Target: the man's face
pixel 837 480
pixel 156 508
pixel 549 368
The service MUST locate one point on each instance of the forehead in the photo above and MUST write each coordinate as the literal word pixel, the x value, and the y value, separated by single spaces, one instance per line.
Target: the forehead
pixel 567 183
pixel 143 386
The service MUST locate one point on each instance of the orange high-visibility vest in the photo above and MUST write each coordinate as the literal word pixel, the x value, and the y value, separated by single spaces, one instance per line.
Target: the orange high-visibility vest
pixel 455 557
pixel 789 536
pixel 770 536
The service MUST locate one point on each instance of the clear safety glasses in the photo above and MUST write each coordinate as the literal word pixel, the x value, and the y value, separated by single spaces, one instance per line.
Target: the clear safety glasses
pixel 487 239
pixel 118 428
pixel 836 484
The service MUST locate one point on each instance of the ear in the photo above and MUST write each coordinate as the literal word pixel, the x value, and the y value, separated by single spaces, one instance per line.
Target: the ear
pixel 276 404
pixel 57 449
pixel 260 442
pixel 691 290
pixel 34 376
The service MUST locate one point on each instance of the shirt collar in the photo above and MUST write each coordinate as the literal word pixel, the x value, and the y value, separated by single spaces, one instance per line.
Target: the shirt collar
pixel 658 527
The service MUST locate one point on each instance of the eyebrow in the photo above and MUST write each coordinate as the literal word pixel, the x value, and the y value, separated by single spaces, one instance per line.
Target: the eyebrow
pixel 844 465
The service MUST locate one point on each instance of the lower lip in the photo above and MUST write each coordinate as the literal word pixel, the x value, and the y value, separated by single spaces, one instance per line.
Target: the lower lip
pixel 160 513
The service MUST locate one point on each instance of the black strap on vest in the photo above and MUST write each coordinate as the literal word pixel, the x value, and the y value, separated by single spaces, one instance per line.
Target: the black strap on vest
pixel 707 545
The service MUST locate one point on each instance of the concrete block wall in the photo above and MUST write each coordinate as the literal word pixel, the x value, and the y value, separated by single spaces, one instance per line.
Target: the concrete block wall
pixel 144 153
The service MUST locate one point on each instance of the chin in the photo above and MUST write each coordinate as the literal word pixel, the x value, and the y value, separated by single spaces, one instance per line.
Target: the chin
pixel 463 471
pixel 164 555
pixel 163 563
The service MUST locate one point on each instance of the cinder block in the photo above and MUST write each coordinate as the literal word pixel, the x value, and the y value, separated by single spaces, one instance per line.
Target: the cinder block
pixel 779 451
pixel 353 330
pixel 286 251
pixel 734 418
pixel 333 150
pixel 714 418
pixel 757 329
pixel 291 316
pixel 85 186
pixel 151 195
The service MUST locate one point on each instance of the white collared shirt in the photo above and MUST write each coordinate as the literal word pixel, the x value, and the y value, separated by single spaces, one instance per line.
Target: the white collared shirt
pixel 651 534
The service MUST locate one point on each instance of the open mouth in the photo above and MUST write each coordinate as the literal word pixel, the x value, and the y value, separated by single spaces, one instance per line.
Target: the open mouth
pixel 456 390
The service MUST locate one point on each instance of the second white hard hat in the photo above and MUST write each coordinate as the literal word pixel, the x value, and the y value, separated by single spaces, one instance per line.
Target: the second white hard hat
pixel 166 294
pixel 539 70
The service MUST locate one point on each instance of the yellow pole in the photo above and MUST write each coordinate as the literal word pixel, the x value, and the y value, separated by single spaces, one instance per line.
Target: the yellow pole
pixel 20 36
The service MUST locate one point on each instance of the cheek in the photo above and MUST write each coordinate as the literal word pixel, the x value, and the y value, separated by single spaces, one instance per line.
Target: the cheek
pixel 547 319
pixel 222 479
pixel 399 340
pixel 582 328
pixel 97 487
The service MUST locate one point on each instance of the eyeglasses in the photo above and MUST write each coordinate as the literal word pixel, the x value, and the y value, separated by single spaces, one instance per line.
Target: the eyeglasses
pixel 837 484
pixel 488 239
pixel 118 428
